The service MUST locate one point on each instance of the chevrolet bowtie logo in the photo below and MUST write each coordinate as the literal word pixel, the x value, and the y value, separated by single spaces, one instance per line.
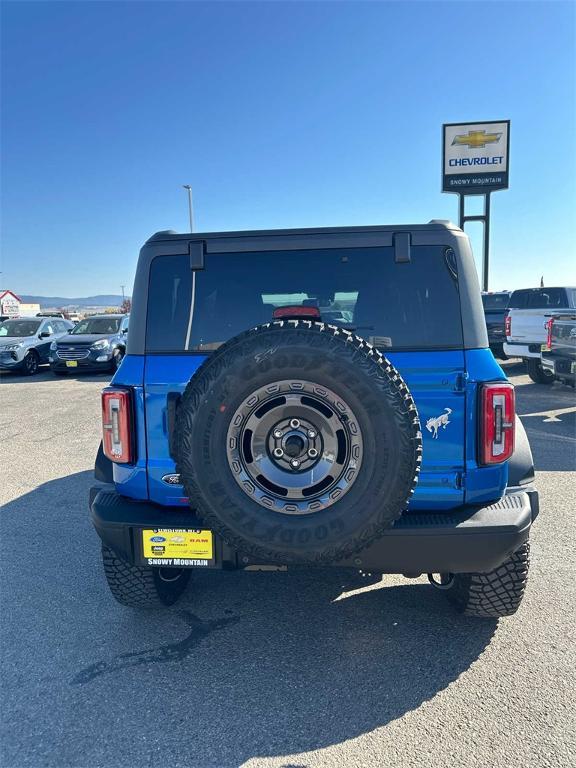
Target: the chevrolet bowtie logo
pixel 476 139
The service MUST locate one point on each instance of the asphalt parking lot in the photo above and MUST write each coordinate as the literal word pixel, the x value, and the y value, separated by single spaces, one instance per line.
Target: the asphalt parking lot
pixel 256 669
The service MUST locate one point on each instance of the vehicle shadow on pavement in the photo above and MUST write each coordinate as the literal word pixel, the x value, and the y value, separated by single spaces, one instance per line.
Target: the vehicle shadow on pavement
pixel 45 375
pixel 289 666
pixel 246 665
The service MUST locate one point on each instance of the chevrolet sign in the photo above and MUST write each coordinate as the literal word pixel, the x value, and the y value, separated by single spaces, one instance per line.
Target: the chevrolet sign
pixel 475 157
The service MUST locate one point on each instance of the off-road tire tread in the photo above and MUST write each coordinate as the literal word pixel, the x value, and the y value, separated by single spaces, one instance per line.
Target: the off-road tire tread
pixel 496 593
pixel 135 586
pixel 375 365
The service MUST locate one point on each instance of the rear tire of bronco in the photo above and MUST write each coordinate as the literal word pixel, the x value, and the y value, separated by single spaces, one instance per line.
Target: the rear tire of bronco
pixel 537 373
pixel 493 594
pixel 140 587
pixel 298 442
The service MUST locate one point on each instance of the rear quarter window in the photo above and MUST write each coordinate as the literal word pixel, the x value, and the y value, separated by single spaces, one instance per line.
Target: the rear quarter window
pixel 411 305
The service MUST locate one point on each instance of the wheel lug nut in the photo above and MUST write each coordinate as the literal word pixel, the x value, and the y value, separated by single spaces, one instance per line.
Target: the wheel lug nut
pixel 278 452
pixel 295 463
pixel 278 433
pixel 294 423
pixel 312 452
pixel 311 433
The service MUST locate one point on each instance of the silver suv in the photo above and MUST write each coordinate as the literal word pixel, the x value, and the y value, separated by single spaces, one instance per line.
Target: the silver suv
pixel 25 342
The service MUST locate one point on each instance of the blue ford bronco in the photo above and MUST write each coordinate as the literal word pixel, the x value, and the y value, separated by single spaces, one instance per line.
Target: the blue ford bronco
pixel 313 397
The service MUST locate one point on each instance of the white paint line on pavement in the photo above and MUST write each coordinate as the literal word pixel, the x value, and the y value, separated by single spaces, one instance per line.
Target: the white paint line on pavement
pixel 551 415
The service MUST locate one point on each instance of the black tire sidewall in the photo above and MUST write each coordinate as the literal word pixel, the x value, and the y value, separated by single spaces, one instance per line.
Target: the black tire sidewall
pixel 537 373
pixel 117 357
pixel 31 355
pixel 374 501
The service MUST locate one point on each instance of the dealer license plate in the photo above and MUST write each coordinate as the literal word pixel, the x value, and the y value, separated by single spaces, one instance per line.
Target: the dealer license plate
pixel 171 547
pixel 71 363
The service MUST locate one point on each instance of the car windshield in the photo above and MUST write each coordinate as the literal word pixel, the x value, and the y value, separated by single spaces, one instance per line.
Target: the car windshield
pixel 495 300
pixel 19 328
pixel 97 325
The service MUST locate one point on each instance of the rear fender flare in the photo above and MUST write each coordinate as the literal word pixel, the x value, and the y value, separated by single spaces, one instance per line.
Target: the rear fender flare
pixel 521 463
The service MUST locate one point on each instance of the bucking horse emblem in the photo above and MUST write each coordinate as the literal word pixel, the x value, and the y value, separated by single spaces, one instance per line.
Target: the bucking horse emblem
pixel 433 425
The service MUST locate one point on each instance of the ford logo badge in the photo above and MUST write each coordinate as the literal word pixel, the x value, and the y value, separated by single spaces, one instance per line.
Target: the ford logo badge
pixel 171 479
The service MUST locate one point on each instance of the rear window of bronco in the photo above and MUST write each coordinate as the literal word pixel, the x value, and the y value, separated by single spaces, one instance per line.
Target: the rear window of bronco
pixel 402 306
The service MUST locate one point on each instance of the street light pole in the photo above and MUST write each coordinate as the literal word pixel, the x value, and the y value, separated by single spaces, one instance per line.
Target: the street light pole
pixel 189 188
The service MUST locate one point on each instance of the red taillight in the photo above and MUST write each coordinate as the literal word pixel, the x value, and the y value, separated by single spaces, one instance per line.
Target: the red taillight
pixel 296 313
pixel 549 325
pixel 498 417
pixel 508 326
pixel 116 425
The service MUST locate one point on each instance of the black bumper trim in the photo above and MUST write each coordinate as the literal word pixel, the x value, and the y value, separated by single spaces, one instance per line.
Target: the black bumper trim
pixel 471 539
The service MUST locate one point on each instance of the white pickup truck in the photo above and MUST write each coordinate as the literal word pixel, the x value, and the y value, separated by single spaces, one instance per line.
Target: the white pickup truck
pixel 526 325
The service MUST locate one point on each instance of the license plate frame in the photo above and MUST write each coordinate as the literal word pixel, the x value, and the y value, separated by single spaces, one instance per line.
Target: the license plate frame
pixel 177 547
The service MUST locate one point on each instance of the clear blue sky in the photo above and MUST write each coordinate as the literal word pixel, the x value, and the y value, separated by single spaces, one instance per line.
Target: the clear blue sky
pixel 280 115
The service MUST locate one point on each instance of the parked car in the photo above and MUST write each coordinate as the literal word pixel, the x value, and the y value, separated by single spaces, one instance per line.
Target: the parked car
pixel 526 325
pixel 240 432
pixel 97 343
pixel 495 311
pixel 559 352
pixel 25 342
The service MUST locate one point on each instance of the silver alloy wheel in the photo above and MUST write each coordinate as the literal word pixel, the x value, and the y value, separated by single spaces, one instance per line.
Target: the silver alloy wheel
pixel 294 447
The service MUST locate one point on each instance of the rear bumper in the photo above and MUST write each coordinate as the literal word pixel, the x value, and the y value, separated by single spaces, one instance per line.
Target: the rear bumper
pixel 472 539
pixel 514 349
pixel 562 367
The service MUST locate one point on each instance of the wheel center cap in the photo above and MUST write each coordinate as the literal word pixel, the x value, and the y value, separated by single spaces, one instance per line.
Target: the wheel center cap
pixel 294 445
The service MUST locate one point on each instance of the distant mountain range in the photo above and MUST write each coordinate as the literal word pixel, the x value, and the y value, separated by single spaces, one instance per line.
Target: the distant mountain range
pixel 102 300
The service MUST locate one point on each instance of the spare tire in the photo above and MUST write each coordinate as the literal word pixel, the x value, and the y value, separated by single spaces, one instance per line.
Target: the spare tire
pixel 298 442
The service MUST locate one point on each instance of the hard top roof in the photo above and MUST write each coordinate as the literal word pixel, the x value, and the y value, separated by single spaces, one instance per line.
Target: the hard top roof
pixel 434 224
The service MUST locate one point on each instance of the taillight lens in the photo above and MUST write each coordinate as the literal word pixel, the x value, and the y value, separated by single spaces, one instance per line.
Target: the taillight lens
pixel 508 326
pixel 549 325
pixel 116 425
pixel 498 417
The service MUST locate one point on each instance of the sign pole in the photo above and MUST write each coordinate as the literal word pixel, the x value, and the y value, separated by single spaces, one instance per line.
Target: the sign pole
pixel 485 266
pixel 475 161
pixel 485 219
